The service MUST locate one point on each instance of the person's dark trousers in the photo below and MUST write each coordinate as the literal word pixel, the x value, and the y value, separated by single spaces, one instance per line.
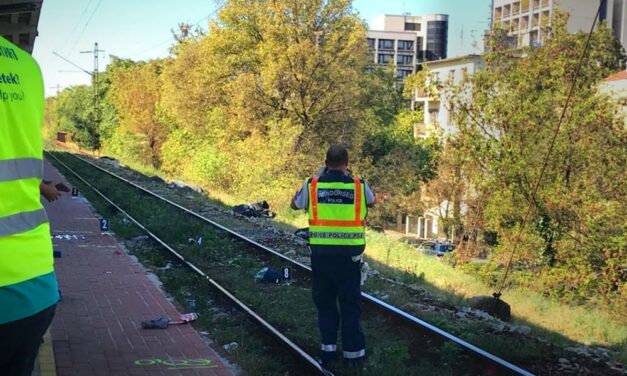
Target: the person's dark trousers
pixel 337 279
pixel 20 340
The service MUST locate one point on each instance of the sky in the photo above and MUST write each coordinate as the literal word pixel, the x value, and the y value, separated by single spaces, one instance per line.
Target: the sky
pixel 140 30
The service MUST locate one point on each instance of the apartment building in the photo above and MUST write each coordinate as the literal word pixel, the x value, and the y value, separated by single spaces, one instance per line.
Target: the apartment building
pixel 437 111
pixel 523 19
pixel 19 20
pixel 407 41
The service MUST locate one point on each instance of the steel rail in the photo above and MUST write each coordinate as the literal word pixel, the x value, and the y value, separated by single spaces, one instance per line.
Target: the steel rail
pixel 258 319
pixel 502 363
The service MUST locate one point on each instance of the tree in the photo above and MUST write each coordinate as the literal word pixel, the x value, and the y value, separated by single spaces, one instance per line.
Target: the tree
pixel 573 235
pixel 72 111
pixel 135 93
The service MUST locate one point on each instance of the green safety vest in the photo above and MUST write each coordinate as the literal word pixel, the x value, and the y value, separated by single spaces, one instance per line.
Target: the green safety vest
pixel 337 213
pixel 27 281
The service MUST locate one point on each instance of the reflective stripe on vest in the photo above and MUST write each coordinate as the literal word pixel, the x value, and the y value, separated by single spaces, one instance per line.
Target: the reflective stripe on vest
pixel 22 168
pixel 337 213
pixel 22 222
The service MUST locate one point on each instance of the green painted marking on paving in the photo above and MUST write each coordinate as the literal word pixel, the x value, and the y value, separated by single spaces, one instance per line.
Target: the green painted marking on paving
pixel 177 363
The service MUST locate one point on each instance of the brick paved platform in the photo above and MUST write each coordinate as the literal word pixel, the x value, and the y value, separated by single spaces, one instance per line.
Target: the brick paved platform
pixel 106 295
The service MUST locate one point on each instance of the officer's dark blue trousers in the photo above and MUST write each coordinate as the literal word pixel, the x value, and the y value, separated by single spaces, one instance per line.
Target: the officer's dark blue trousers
pixel 336 280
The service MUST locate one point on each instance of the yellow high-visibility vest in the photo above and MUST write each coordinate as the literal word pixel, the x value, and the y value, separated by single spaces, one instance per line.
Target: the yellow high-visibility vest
pixel 337 213
pixel 27 281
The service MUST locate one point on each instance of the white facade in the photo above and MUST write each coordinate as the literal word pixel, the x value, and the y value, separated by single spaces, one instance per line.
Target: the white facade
pixel 406 41
pixel 524 18
pixel 616 86
pixel 437 111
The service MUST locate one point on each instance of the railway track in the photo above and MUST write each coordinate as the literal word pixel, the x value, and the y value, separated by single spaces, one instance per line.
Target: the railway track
pixel 481 357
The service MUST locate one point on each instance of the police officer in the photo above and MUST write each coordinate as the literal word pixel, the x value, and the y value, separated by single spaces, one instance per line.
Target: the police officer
pixel 337 207
pixel 28 287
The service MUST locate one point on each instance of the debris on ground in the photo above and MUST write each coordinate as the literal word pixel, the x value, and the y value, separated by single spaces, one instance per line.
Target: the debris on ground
pixel 231 346
pixel 111 162
pixel 164 322
pixel 69 237
pixel 302 233
pixel 493 306
pixel 258 209
pixel 268 275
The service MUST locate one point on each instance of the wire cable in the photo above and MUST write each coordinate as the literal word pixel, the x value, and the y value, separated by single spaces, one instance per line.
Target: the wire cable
pixel 85 27
pixel 78 21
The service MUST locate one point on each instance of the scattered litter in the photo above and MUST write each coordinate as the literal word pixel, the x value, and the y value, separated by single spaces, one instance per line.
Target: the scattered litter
pixel 69 237
pixel 164 322
pixel 108 272
pixel 231 346
pixel 198 240
pixel 136 241
pixel 268 275
pixel 160 323
pixel 290 253
pixel 191 303
pixel 167 266
pixel 117 252
pixel 259 209
pixel 111 162
pixel 364 272
pixel 302 233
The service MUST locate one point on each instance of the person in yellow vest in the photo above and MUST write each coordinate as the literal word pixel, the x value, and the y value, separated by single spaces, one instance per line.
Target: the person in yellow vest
pixel 337 206
pixel 28 286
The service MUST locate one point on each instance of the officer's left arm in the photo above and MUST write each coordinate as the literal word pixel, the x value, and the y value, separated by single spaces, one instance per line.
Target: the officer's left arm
pixel 370 197
pixel 300 200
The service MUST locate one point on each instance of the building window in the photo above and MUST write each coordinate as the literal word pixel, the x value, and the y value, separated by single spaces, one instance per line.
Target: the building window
pixel 24 39
pixel 451 75
pixel 464 72
pixel 371 43
pixel 23 18
pixel 404 59
pixel 384 58
pixel 5 18
pixel 437 34
pixel 412 26
pixel 603 14
pixel 402 73
pixel 405 45
pixel 8 37
pixel 386 44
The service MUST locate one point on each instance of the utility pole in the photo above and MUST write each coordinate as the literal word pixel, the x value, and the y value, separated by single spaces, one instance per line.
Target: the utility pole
pixel 95 83
pixel 57 87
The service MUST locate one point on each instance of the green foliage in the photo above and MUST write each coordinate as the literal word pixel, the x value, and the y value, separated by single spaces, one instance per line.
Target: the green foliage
pixel 573 237
pixel 73 111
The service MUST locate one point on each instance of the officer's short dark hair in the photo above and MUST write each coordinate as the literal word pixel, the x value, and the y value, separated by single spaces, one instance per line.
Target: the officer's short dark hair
pixel 337 155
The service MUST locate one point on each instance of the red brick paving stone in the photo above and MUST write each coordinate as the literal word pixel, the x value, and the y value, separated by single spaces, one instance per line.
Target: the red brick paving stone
pixel 106 295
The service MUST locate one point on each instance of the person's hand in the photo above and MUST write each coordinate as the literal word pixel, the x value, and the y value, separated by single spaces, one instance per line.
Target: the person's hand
pixel 49 191
pixel 61 187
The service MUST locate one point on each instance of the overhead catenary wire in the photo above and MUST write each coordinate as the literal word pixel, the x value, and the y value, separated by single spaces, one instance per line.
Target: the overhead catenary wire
pixel 78 21
pixel 80 35
pixel 536 186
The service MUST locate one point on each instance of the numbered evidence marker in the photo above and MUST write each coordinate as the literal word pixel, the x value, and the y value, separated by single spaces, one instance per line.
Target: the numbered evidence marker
pixel 104 225
pixel 287 273
pixel 74 192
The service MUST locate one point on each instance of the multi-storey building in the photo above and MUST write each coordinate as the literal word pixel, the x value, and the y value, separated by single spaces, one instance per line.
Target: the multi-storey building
pixel 406 41
pixel 437 112
pixel 19 20
pixel 523 19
